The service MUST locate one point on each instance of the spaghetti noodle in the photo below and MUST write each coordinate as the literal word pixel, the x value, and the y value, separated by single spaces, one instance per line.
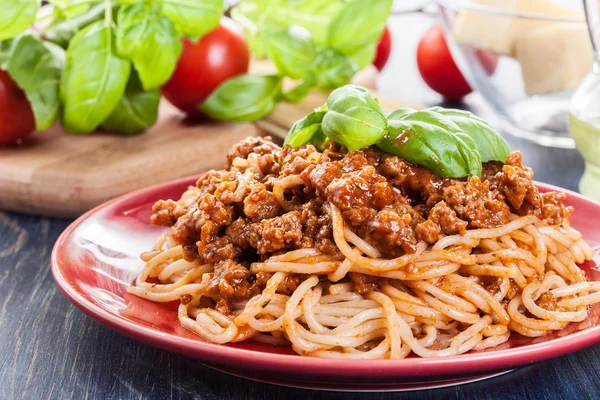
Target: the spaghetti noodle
pixel 292 253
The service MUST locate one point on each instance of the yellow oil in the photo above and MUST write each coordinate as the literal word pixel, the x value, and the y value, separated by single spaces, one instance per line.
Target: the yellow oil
pixel 586 133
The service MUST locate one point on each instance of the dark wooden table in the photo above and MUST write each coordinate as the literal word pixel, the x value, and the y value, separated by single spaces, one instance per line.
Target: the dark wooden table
pixel 49 349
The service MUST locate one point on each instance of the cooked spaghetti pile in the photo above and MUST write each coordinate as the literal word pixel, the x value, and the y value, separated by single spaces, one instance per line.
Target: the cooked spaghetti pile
pixel 363 255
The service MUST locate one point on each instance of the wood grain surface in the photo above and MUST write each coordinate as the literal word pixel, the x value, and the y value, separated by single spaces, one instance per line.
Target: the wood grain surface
pixel 60 175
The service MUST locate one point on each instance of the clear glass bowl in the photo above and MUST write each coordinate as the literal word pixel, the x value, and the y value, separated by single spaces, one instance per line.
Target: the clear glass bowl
pixel 480 31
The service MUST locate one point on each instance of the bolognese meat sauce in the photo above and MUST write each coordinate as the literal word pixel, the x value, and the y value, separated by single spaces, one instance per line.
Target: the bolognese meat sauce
pixel 236 218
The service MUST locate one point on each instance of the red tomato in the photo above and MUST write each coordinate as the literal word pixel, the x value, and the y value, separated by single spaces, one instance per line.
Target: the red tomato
pixel 384 48
pixel 16 115
pixel 437 67
pixel 218 56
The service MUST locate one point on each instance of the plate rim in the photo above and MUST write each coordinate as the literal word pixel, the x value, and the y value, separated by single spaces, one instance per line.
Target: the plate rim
pixel 480 362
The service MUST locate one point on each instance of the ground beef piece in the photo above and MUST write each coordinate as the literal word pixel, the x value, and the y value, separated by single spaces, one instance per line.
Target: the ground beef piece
pixel 548 302
pixel 291 283
pixel 253 144
pixel 210 180
pixel 475 203
pixel 277 233
pixel 296 160
pixel 261 204
pixel 418 184
pixel 218 249
pixel 320 177
pixel 167 212
pixel 364 283
pixel 225 305
pixel 517 185
pixel 317 231
pixel 390 231
pixel 237 233
pixel 200 225
pixel 442 220
pixel 230 279
pixel 363 187
pixel 553 211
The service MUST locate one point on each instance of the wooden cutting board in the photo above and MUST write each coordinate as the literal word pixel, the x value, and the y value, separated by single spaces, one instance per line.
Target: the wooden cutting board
pixel 60 175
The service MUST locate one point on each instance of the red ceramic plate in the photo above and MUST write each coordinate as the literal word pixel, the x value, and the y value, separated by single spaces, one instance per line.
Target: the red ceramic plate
pixel 97 258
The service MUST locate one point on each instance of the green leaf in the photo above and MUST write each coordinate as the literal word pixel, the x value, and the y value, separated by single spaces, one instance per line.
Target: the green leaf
pixel 358 25
pixel 354 119
pixel 136 111
pixel 36 67
pixel 244 98
pixel 62 31
pixel 426 138
pixel 16 16
pixel 314 15
pixel 301 90
pixel 150 40
pixel 194 17
pixel 491 146
pixel 305 129
pixel 64 9
pixel 94 78
pixel 292 50
pixel 255 17
pixel 332 69
pixel 363 56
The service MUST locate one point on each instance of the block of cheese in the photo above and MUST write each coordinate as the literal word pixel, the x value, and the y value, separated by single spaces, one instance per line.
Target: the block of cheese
pixel 497 33
pixel 555 57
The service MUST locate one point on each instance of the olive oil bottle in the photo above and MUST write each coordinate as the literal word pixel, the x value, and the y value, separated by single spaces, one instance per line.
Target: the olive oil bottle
pixel 586 132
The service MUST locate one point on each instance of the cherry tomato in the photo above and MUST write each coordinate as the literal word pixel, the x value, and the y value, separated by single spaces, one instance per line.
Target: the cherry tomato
pixel 437 67
pixel 384 48
pixel 16 115
pixel 218 56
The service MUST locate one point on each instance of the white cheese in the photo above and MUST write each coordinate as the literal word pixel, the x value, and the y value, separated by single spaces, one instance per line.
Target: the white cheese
pixel 498 33
pixel 555 57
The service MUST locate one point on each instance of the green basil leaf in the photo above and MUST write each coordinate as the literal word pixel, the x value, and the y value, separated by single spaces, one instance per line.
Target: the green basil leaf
pixel 491 146
pixel 150 40
pixel 358 25
pixel 425 138
pixel 36 67
pixel 354 119
pixel 305 129
pixel 292 50
pixel 62 31
pixel 363 56
pixel 332 69
pixel 136 111
pixel 16 16
pixel 194 17
pixel 94 78
pixel 301 90
pixel 244 98
pixel 255 17
pixel 65 9
pixel 314 15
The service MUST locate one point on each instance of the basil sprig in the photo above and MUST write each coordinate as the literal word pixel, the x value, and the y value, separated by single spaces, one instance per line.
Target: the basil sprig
pixel 451 143
pixel 491 146
pixel 354 119
pixel 426 138
pixel 321 42
pixel 92 83
pixel 36 67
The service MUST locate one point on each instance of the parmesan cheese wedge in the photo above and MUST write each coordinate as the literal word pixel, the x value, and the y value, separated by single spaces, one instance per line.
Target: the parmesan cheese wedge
pixel 555 57
pixel 498 33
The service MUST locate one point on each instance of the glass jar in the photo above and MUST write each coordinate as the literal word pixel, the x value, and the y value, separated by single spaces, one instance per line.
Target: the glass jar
pixel 584 113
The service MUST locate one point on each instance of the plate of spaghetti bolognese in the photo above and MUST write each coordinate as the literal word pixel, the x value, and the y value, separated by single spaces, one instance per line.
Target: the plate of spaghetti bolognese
pixel 398 251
